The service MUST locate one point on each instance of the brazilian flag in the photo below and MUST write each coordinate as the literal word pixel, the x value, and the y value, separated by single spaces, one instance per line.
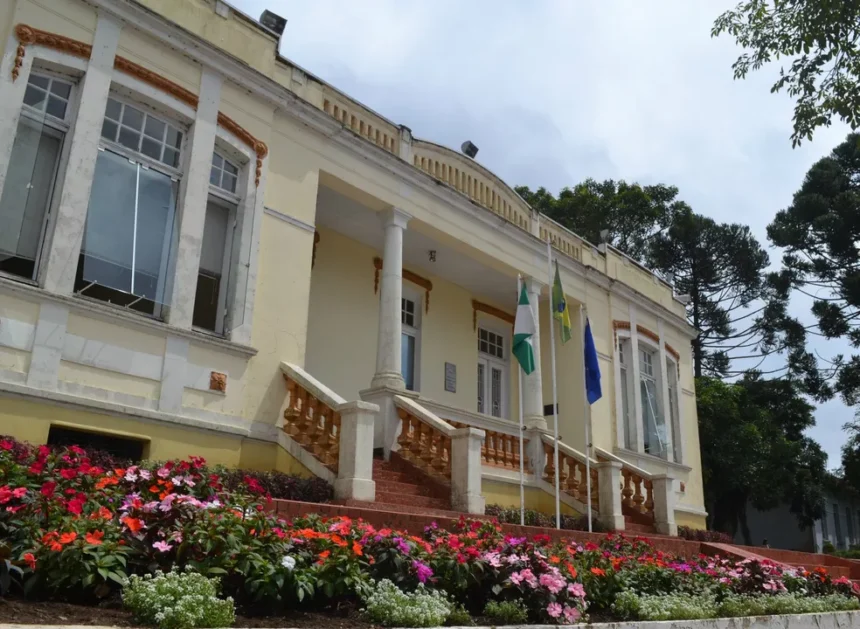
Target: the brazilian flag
pixel 560 311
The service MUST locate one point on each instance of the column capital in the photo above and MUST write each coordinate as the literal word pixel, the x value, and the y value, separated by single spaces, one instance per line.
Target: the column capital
pixel 533 286
pixel 394 216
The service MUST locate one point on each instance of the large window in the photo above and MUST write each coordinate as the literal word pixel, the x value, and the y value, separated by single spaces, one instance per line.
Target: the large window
pixel 131 229
pixel 492 373
pixel 32 174
pixel 627 410
pixel 410 318
pixel 674 414
pixel 653 420
pixel 210 302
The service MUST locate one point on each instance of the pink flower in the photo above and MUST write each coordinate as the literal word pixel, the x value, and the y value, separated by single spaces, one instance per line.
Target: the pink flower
pixel 422 571
pixel 552 582
pixel 767 586
pixel 162 546
pixel 163 472
pixel 554 610
pixel 176 480
pixel 571 614
pixel 576 589
pixel 517 578
pixel 145 474
pixel 493 559
pixel 19 492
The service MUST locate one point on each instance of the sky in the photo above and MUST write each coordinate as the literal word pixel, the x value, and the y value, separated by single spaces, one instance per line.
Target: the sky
pixel 557 91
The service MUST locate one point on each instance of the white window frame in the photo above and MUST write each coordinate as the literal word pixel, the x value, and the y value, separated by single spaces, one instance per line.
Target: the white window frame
pixel 233 203
pixel 628 423
pixel 504 364
pixel 410 294
pixel 647 349
pixel 65 127
pixel 673 371
pixel 121 95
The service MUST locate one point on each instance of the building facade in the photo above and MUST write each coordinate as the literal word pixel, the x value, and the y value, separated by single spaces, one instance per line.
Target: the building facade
pixel 204 249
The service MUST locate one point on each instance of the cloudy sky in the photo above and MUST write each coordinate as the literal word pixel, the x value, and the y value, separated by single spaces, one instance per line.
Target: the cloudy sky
pixel 554 92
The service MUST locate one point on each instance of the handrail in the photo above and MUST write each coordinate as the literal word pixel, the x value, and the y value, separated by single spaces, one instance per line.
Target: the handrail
pixel 312 416
pixel 425 440
pixel 454 415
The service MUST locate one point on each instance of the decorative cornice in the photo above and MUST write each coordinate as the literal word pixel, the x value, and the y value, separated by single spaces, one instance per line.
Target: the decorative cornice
pixel 423 282
pixel 27 35
pixel 479 306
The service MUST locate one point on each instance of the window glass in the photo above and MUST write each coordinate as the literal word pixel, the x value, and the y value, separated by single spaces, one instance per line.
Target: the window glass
pixel 491 343
pixel 407 312
pixel 674 415
pixel 141 132
pixel 224 174
pixel 407 360
pixel 129 235
pixel 27 194
pixel 654 423
pixel 210 299
pixel 626 410
pixel 482 383
pixel 48 95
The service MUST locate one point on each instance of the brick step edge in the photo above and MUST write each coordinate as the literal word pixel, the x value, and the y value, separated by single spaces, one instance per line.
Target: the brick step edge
pixel 442 514
pixel 407 489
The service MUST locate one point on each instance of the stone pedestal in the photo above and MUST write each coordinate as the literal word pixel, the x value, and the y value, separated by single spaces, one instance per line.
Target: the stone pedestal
pixel 355 457
pixel 466 470
pixel 386 428
pixel 609 482
pixel 664 505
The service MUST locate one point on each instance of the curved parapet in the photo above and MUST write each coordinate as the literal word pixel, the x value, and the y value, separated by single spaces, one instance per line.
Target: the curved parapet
pixel 473 180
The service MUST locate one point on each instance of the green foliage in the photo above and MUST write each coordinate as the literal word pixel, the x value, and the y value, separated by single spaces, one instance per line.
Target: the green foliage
pixel 703 535
pixel 632 606
pixel 754 449
pixel 511 515
pixel 506 612
pixel 386 604
pixel 177 601
pixel 820 38
pixel 459 617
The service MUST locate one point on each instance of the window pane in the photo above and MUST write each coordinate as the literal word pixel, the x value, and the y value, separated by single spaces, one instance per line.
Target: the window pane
pixel 230 168
pixel 217 160
pixel 407 360
pixel 37 79
pixel 157 198
pixel 26 196
pixel 210 286
pixel 171 157
pixel 628 419
pixel 61 89
pixel 35 97
pixel 129 138
pixel 57 107
pixel 481 387
pixel 652 418
pixel 109 233
pixel 496 391
pixel 229 182
pixel 151 148
pixel 132 117
pixel 154 128
pixel 174 137
pixel 113 109
pixel 109 130
pixel 215 176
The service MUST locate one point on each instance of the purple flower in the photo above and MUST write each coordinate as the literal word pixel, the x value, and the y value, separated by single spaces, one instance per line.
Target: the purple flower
pixel 162 546
pixel 402 546
pixel 422 570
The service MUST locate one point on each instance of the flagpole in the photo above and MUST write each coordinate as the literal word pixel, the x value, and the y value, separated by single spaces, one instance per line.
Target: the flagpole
pixel 520 397
pixel 586 418
pixel 554 389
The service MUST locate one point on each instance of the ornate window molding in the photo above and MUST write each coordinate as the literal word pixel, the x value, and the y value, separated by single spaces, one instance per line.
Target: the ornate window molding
pixel 423 282
pixel 478 306
pixel 641 329
pixel 28 36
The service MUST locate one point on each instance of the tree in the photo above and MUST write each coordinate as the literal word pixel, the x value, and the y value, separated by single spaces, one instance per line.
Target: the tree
pixel 754 451
pixel 631 213
pixel 720 266
pixel 820 232
pixel 822 39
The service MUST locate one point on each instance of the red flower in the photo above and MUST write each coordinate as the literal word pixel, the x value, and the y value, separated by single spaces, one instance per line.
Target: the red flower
pixel 48 488
pixel 5 494
pixel 95 538
pixel 254 485
pixel 76 450
pixel 68 538
pixel 69 474
pixel 37 468
pixel 541 539
pixel 6 445
pixel 30 559
pixel 571 570
pixel 75 505
pixel 598 572
pixel 134 524
pixel 356 548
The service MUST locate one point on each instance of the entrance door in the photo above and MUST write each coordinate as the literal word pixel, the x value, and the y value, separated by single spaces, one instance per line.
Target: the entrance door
pixel 492 374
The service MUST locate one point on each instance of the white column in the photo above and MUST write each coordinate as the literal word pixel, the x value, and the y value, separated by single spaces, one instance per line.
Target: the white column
pixel 11 100
pixel 664 393
pixel 609 488
pixel 48 342
pixel 633 370
pixel 193 197
pixel 68 229
pixel 664 505
pixel 466 471
pixel 388 368
pixel 533 416
pixel 355 456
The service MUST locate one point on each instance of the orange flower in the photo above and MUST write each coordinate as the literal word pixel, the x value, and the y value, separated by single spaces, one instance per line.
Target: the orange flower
pixel 554 559
pixel 50 539
pixel 356 548
pixel 371 560
pixel 95 538
pixel 337 540
pixel 324 554
pixel 30 559
pixel 134 524
pixel 68 538
pixel 598 572
pixel 153 489
pixel 105 481
pixel 571 570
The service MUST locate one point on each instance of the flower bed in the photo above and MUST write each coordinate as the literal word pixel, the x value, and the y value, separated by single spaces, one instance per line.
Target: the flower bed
pixel 74 530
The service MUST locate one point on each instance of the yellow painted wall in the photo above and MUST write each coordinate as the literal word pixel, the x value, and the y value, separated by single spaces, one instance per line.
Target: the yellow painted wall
pixel 508 495
pixel 167 62
pixel 71 19
pixel 108 380
pixel 690 519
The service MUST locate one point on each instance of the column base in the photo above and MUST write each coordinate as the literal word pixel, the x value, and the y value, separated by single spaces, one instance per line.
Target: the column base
pixel 666 528
pixel 468 503
pixel 388 380
pixel 613 522
pixel 355 489
pixel 535 422
pixel 387 426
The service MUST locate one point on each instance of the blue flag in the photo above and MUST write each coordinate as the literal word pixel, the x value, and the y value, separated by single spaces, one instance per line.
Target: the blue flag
pixel 592 367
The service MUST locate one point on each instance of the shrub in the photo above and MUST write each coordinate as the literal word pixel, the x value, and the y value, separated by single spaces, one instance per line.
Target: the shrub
pixel 828 547
pixel 177 600
pixel 506 612
pixel 278 485
pixel 665 607
pixel 459 617
pixel 702 535
pixel 511 515
pixel 389 606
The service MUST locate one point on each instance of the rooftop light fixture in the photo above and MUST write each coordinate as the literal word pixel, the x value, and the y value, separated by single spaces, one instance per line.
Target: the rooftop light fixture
pixel 469 149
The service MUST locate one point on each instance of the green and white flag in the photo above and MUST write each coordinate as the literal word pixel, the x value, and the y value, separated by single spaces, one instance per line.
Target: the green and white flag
pixel 524 329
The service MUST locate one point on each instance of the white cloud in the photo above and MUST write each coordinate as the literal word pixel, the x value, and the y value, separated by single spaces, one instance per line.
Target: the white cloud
pixel 556 91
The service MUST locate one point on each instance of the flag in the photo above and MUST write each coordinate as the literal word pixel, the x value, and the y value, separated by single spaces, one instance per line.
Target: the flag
pixel 560 311
pixel 524 329
pixel 592 367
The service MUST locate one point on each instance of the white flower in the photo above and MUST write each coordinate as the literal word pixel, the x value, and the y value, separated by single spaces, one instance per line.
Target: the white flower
pixel 288 562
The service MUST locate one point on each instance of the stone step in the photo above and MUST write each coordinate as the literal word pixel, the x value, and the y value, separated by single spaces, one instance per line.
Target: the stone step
pixel 412 501
pixel 638 528
pixel 395 477
pixel 445 514
pixel 407 488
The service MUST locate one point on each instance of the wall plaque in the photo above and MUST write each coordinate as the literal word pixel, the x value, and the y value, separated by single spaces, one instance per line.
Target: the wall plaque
pixel 451 377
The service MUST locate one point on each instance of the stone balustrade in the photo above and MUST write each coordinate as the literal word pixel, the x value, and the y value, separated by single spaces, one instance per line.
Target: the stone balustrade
pixel 313 422
pixel 571 473
pixel 364 122
pixel 561 238
pixel 638 493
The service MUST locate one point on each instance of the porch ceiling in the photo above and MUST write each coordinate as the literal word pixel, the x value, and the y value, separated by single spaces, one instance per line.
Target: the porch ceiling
pixel 355 220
